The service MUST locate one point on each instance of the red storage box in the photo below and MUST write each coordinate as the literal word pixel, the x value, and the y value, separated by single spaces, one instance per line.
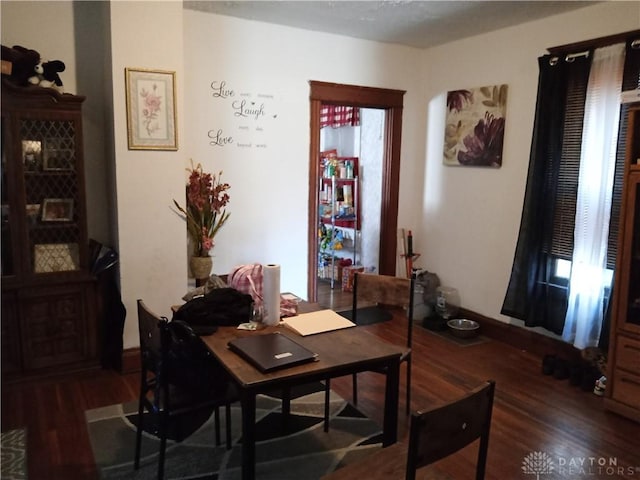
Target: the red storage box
pixel 347 276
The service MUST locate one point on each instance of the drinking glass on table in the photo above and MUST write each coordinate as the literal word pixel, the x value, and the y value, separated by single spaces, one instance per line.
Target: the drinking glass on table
pixel 257 317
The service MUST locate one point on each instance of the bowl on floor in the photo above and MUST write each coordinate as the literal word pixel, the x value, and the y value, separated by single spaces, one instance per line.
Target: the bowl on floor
pixel 463 328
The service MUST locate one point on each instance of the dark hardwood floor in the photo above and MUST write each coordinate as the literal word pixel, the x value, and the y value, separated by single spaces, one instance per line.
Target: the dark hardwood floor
pixel 333 298
pixel 532 412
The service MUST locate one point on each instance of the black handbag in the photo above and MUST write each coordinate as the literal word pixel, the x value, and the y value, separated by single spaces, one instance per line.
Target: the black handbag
pixel 219 307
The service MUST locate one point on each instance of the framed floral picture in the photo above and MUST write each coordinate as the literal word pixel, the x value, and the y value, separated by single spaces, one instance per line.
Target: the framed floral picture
pixel 151 109
pixel 474 128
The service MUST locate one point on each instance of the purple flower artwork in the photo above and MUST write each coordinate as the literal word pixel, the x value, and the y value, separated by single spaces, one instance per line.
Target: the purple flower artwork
pixel 474 130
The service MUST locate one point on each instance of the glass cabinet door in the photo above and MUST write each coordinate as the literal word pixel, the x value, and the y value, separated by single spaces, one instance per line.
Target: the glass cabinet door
pixel 632 255
pixel 51 194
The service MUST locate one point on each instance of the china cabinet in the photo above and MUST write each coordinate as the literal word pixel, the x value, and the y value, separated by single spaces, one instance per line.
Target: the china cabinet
pixel 48 293
pixel 623 380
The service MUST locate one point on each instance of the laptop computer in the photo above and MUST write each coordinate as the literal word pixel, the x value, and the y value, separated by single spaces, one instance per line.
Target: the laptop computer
pixel 271 351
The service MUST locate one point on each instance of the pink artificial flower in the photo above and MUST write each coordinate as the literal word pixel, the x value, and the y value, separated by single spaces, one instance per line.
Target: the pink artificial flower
pixel 207 243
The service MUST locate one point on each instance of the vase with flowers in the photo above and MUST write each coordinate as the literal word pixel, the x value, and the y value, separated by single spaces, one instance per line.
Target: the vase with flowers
pixel 205 214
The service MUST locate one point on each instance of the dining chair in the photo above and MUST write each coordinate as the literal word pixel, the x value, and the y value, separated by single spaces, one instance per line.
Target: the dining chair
pixel 433 435
pixel 385 291
pixel 181 384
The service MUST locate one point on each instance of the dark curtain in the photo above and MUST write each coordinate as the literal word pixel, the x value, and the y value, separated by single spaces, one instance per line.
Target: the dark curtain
pixel 532 294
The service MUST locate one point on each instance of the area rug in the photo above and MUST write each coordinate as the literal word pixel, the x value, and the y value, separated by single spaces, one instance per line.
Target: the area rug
pixel 13 455
pixel 305 451
pixel 368 315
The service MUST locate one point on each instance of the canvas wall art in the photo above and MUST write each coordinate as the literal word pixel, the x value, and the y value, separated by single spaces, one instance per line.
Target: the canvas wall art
pixel 474 129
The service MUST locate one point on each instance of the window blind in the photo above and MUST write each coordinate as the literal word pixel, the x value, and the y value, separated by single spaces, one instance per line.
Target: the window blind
pixel 561 243
pixel 567 181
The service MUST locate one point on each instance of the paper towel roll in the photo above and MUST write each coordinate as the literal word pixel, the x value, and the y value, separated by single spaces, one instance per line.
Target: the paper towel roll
pixel 271 294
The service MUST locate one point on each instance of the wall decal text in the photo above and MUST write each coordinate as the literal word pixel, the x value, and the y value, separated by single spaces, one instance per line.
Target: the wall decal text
pixel 247 117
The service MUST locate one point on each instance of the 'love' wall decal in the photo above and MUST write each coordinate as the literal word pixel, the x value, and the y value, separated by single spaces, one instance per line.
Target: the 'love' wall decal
pixel 250 115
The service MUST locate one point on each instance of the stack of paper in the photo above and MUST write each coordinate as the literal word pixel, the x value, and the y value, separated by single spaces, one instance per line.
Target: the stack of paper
pixel 317 322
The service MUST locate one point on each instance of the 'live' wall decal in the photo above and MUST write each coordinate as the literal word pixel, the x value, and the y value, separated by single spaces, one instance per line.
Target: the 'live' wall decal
pixel 246 117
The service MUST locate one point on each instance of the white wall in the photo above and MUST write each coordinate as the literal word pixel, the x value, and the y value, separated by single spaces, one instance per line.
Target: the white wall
pixel 23 24
pixel 470 216
pixel 151 238
pixel 269 186
pixel 370 173
pixel 346 140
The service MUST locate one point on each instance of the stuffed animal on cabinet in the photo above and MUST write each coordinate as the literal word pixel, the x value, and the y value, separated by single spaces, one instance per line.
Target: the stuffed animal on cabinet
pixel 23 62
pixel 47 75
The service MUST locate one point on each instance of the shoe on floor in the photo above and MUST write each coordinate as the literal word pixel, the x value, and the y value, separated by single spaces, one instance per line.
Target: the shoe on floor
pixel 601 386
pixel 561 370
pixel 548 364
pixel 591 375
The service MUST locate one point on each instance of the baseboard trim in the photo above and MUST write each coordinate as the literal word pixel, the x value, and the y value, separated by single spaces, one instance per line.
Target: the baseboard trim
pixel 622 409
pixel 522 338
pixel 131 360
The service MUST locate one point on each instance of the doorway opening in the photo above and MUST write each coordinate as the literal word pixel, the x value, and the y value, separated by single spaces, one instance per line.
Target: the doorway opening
pixel 350 178
pixel 391 102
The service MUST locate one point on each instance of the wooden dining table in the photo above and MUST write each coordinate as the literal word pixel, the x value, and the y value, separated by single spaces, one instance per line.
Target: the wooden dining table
pixel 339 352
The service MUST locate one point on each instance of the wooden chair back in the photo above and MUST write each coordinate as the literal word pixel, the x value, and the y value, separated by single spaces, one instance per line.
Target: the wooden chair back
pixel 385 290
pixel 150 338
pixel 382 289
pixel 439 432
pixel 433 434
pixel 165 398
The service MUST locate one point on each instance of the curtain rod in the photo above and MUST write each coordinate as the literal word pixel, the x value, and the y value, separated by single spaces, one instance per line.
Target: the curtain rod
pixel 595 43
pixel 570 57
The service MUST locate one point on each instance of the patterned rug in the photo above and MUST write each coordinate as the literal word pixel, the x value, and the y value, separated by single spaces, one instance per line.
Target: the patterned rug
pixel 13 455
pixel 305 451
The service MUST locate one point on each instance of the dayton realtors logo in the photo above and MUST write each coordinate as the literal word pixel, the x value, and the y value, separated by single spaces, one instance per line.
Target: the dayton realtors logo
pixel 538 463
pixel 541 463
